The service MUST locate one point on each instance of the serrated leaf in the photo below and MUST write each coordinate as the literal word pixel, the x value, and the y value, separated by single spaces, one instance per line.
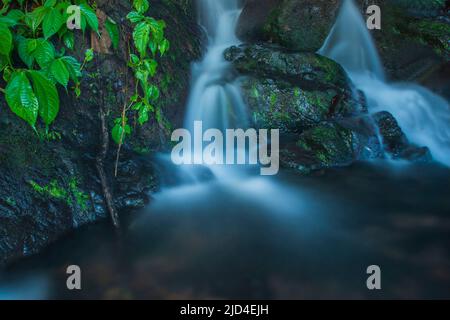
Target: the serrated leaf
pixel 69 40
pixel 164 46
pixel 113 31
pixel 59 72
pixel 25 52
pixel 21 98
pixel 53 21
pixel 141 6
pixel 135 17
pixel 5 40
pixel 141 37
pixel 73 66
pixel 47 96
pixel 36 17
pixel 90 17
pixel 44 52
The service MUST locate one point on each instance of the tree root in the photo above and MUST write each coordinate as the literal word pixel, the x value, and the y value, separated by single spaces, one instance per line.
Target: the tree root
pixel 100 164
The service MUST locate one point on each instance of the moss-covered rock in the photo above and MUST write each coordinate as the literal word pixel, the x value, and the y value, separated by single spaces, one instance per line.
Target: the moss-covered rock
pixel 323 146
pixel 291 91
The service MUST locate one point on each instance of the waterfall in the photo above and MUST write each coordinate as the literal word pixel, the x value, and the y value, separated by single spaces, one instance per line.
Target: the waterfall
pixel 214 98
pixel 422 115
pixel 350 44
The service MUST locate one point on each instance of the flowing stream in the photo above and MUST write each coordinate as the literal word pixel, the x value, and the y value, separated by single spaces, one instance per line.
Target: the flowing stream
pixel 422 115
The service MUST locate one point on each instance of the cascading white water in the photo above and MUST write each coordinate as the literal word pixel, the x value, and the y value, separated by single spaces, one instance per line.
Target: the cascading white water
pixel 350 44
pixel 214 99
pixel 422 115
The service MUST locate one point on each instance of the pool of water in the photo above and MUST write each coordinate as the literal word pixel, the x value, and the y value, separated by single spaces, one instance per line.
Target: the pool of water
pixel 292 237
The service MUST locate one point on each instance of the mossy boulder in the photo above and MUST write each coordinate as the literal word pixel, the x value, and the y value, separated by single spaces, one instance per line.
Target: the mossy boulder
pixel 291 91
pixel 304 95
pixel 325 145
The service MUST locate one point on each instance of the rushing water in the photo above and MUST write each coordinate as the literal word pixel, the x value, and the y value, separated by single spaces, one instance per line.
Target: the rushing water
pixel 209 241
pixel 423 115
pixel 214 99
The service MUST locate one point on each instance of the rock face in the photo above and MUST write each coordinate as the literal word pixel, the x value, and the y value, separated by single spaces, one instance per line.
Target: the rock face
pixel 297 24
pixel 305 96
pixel 49 184
pixel 413 42
pixel 323 120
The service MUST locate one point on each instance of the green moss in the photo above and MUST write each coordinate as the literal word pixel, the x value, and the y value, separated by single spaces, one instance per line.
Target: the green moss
pixel 71 194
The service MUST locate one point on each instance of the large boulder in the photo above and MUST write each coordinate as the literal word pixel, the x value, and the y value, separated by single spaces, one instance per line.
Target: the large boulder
pixel 322 118
pixel 305 96
pixel 296 24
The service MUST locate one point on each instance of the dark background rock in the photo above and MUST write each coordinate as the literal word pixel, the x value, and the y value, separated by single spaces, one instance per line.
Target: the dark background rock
pixel 31 218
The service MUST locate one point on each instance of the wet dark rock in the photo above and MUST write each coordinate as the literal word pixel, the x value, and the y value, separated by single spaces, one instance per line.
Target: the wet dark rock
pixel 308 70
pixel 296 24
pixel 49 186
pixel 291 91
pixel 305 96
pixel 395 141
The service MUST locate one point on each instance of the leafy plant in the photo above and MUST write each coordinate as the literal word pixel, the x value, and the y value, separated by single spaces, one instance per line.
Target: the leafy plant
pixel 149 42
pixel 32 80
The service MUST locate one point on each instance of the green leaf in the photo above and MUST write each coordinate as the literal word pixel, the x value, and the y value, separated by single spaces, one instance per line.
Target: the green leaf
pixel 36 17
pixel 153 93
pixel 49 3
pixel 25 52
pixel 120 131
pixel 141 6
pixel 21 98
pixel 60 72
pixel 53 21
pixel 44 52
pixel 47 96
pixel 89 55
pixel 164 46
pixel 135 17
pixel 16 15
pixel 73 66
pixel 89 15
pixel 5 40
pixel 69 40
pixel 8 21
pixel 141 37
pixel 143 115
pixel 150 66
pixel 113 31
